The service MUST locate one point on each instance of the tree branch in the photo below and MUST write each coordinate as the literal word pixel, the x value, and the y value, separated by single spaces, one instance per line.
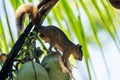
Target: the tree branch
pixel 46 7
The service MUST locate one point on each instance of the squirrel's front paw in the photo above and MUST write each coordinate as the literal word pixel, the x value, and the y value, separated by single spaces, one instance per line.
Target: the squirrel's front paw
pixel 64 69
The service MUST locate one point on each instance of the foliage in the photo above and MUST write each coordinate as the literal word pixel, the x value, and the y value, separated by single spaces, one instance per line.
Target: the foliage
pixel 83 21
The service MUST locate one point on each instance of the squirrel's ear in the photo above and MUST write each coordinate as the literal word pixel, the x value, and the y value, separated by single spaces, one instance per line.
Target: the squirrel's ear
pixel 79 46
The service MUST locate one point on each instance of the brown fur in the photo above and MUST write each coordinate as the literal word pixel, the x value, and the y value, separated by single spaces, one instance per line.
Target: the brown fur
pixel 25 9
pixel 56 38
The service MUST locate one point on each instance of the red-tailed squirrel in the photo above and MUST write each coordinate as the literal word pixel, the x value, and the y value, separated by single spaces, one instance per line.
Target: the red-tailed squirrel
pixel 51 34
pixel 56 38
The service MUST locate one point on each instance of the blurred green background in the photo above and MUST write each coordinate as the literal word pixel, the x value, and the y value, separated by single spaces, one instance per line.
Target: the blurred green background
pixel 92 23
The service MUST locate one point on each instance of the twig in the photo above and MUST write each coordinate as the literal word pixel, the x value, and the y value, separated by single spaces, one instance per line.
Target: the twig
pixel 17 46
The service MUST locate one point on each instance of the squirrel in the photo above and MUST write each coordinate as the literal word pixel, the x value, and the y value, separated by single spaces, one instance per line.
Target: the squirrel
pixel 57 38
pixel 51 34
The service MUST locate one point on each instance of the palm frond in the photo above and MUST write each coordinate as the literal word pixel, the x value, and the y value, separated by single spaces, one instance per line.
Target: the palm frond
pixel 82 21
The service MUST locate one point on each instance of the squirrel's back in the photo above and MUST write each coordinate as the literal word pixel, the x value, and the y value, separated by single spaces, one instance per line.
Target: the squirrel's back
pixel 61 37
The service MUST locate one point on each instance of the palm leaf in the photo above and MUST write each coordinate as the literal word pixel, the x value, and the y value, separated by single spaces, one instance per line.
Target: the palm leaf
pixel 68 16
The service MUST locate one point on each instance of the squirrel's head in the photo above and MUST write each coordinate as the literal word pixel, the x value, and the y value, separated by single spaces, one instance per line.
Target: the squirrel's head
pixel 78 54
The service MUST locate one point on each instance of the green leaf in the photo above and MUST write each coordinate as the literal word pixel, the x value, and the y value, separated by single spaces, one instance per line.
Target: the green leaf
pixel 32 71
pixel 3 42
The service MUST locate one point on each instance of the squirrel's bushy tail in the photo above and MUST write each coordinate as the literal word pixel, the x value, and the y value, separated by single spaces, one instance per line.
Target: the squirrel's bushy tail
pixel 25 9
